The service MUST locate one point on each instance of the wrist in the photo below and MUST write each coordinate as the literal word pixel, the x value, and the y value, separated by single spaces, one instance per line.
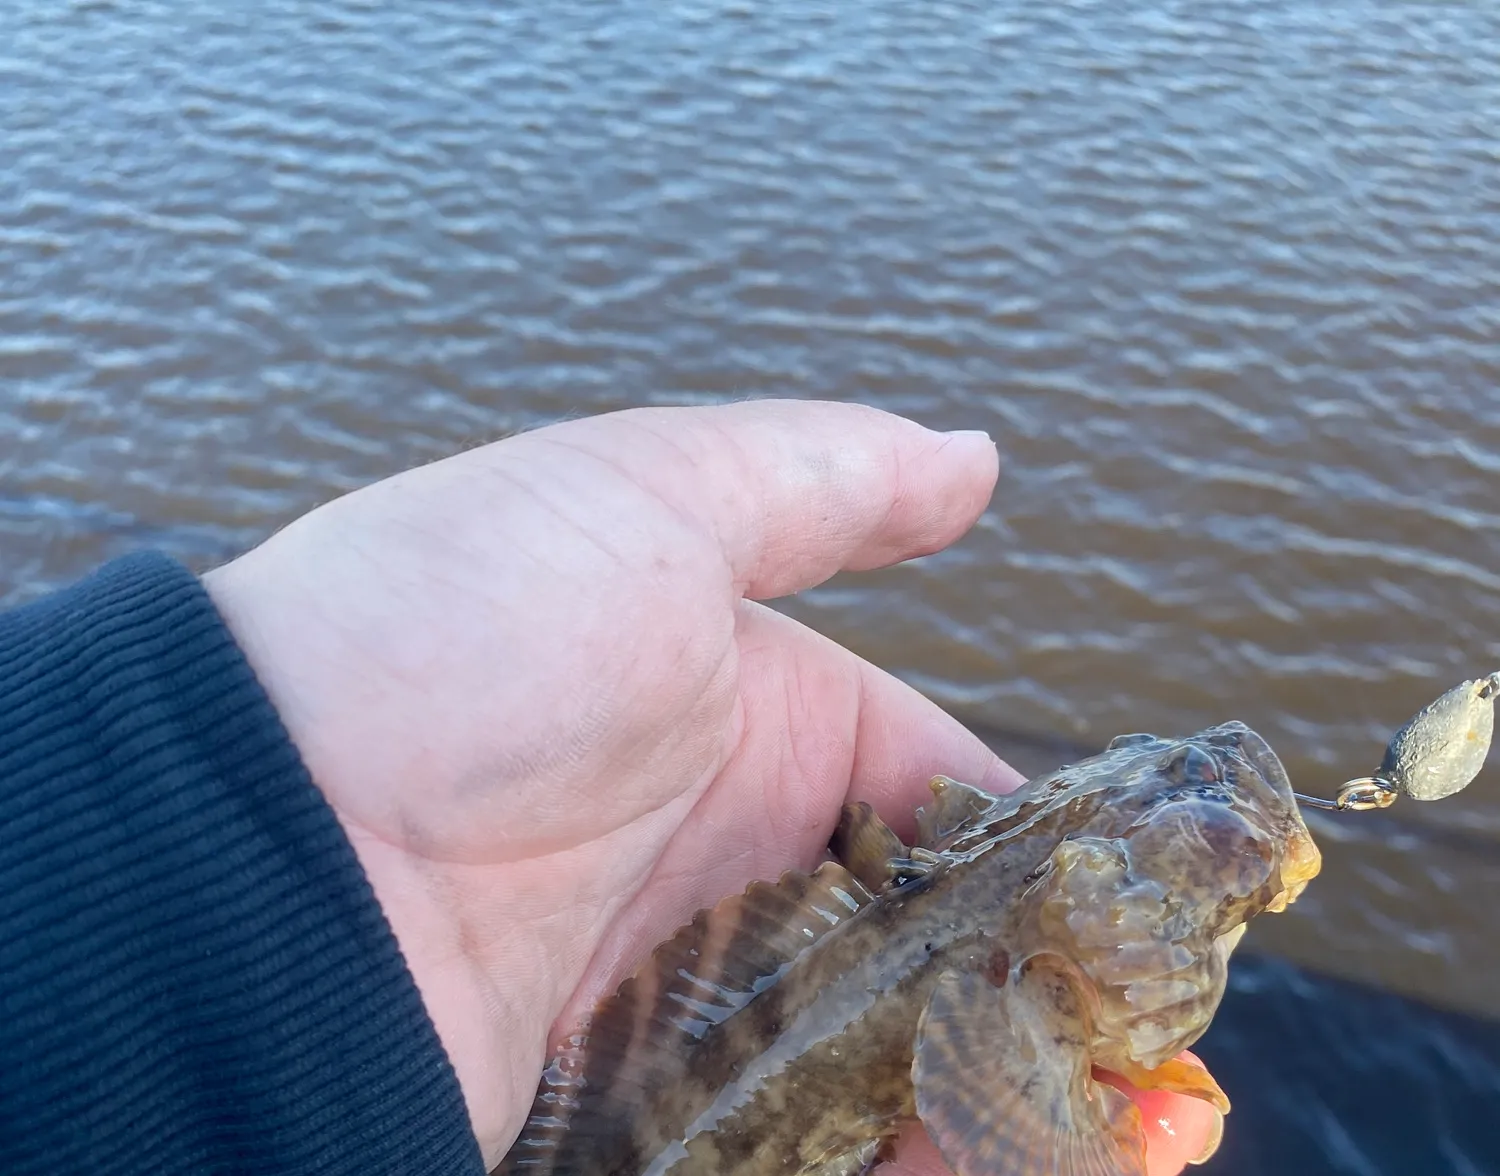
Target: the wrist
pixel 414 895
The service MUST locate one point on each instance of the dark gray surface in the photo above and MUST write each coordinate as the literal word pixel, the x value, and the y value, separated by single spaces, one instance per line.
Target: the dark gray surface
pixel 1330 1078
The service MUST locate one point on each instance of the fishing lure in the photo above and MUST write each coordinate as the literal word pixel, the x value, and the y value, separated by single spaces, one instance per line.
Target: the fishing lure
pixel 1437 753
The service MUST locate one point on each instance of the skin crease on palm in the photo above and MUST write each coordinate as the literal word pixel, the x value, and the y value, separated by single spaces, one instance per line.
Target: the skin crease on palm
pixel 536 685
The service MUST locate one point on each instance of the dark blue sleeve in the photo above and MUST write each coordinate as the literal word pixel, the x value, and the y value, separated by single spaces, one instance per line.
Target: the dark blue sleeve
pixel 195 976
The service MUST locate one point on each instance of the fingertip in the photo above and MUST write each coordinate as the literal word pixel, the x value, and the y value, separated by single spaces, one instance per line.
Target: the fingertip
pixel 1180 1130
pixel 796 490
pixel 940 492
pixel 972 445
pixel 916 1155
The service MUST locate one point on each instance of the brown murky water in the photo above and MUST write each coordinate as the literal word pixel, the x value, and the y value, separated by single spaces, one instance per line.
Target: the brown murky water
pixel 1220 278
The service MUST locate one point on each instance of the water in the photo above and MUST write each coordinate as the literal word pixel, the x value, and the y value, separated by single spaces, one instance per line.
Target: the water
pixel 1217 275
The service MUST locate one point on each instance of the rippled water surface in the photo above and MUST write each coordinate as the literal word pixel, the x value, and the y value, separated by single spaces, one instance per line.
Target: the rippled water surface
pixel 1219 276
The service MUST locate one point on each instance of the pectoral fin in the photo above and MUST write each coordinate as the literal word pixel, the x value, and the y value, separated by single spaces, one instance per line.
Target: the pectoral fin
pixel 1004 1085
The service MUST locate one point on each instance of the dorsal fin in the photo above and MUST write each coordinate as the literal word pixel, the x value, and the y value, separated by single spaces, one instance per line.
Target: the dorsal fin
pixel 867 847
pixel 624 1090
pixel 954 807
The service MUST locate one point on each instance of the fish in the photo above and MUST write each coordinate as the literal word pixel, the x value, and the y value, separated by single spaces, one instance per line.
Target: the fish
pixel 981 980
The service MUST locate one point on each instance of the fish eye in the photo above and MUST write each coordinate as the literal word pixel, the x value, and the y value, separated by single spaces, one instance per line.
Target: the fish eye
pixel 1189 764
pixel 1136 740
pixel 1231 736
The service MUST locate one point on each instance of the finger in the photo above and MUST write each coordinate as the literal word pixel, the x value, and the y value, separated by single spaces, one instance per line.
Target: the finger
pixel 903 740
pixel 820 725
pixel 916 1155
pixel 793 490
pixel 1178 1128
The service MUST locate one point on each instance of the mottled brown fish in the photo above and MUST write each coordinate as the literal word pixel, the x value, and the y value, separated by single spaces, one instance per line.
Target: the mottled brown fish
pixel 972 981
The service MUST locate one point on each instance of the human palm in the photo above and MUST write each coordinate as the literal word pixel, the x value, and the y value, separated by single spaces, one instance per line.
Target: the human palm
pixel 536 686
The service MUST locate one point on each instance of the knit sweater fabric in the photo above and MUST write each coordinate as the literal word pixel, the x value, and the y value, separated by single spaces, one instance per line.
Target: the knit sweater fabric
pixel 195 975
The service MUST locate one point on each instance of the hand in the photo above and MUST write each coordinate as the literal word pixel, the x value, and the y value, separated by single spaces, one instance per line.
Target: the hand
pixel 534 685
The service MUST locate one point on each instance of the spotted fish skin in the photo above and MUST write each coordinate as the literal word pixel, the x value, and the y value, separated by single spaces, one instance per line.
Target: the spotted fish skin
pixel 794 1028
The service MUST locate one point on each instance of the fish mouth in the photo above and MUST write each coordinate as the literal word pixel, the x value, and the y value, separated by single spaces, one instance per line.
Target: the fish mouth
pixel 1301 860
pixel 1300 864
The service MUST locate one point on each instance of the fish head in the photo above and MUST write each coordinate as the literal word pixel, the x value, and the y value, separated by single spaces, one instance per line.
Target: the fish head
pixel 1188 840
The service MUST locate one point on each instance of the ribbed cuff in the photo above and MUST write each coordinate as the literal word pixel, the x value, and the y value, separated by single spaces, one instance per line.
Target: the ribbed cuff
pixel 195 976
